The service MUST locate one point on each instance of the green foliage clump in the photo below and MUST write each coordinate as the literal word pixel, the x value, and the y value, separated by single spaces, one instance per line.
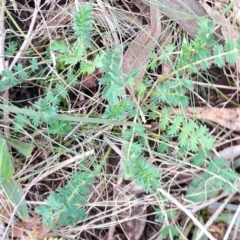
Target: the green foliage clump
pixel 203 51
pixel 114 88
pixel 144 173
pixel 218 175
pixel 136 165
pixel 82 23
pixel 191 134
pixel 48 106
pixel 173 92
pixel 65 207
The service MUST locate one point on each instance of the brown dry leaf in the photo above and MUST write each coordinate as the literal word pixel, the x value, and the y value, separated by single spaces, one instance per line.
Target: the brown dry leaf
pixel 217 232
pixel 134 228
pixel 38 234
pixel 91 81
pixel 166 39
pixel 38 231
pixel 137 55
pixel 185 12
pixel 225 117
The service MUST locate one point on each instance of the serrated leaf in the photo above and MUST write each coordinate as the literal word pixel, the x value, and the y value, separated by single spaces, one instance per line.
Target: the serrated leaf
pixel 111 93
pixel 183 138
pixel 218 52
pixel 82 23
pixel 207 142
pixel 22 147
pixel 170 48
pixel 202 188
pixel 47 216
pixel 187 83
pixel 230 54
pixel 78 50
pixel 60 46
pixel 199 158
pixel 165 116
pixel 205 64
pixel 87 68
pixel 170 230
pixel 193 144
pixel 98 60
pixel 69 59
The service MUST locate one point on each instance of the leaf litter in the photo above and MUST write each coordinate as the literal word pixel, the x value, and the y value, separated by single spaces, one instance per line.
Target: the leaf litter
pixel 225 117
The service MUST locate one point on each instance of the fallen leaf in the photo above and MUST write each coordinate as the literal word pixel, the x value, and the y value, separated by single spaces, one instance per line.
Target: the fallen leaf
pixel 225 117
pixel 185 12
pixel 134 228
pixel 38 233
pixel 137 55
pixel 32 227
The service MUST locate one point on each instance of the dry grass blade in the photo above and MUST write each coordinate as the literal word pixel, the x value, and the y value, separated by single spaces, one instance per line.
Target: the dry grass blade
pixel 28 37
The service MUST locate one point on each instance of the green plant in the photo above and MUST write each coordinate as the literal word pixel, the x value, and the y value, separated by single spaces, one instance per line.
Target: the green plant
pixel 65 207
pixel 202 51
pixel 218 175
pixel 78 57
pixel 8 184
pixel 199 53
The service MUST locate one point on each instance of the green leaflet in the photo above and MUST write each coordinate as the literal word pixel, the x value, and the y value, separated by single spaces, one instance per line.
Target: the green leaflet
pixel 16 197
pixel 202 188
pixel 6 165
pixel 22 147
pixel 10 187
